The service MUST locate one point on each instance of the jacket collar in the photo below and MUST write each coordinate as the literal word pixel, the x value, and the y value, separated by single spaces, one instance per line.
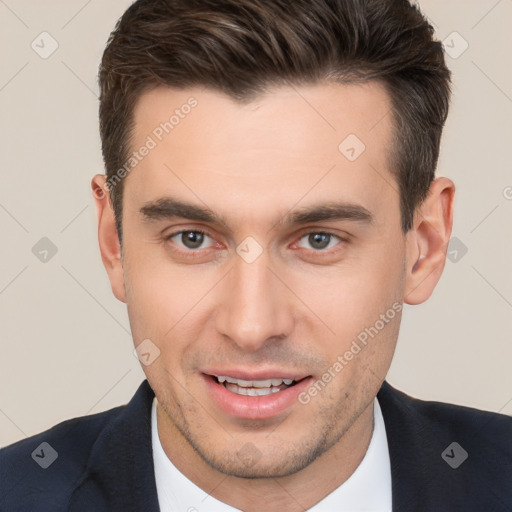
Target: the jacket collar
pixel 121 471
pixel 418 473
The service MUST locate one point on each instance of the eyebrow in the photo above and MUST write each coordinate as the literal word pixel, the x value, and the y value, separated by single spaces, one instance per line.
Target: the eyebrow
pixel 330 211
pixel 169 208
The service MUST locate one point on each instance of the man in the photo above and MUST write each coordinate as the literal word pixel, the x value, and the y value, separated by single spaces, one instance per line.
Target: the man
pixel 269 204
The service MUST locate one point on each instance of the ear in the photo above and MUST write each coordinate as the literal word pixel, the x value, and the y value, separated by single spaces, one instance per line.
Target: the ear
pixel 427 241
pixel 108 238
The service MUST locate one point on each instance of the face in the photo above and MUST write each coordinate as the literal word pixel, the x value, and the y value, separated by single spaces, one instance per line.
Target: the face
pixel 258 253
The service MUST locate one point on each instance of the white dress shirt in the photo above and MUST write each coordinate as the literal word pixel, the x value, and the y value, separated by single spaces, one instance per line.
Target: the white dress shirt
pixel 368 489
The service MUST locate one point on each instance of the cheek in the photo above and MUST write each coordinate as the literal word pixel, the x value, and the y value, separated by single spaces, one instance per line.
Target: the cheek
pixel 155 296
pixel 351 297
pixel 166 303
pixel 150 278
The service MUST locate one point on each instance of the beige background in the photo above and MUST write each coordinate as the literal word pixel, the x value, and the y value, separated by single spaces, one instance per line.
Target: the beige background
pixel 66 349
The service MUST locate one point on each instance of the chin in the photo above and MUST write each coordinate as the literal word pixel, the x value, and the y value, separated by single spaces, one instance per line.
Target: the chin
pixel 252 462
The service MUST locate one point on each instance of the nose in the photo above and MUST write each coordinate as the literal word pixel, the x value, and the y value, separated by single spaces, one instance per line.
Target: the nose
pixel 254 307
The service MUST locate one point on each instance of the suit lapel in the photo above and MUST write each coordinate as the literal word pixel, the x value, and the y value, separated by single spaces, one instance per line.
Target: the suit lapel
pixel 419 475
pixel 119 474
pixel 120 471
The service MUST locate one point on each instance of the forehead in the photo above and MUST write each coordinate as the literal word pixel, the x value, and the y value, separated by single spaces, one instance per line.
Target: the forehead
pixel 289 142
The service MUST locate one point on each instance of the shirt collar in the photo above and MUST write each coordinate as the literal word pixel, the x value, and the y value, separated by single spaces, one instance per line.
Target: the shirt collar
pixel 177 493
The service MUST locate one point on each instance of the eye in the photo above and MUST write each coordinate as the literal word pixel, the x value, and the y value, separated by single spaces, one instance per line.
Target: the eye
pixel 318 241
pixel 191 239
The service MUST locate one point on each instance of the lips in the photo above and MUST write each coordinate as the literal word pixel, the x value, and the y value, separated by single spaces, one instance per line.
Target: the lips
pixel 254 396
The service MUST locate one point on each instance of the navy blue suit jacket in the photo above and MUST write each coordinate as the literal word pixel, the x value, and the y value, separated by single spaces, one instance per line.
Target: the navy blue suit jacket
pixel 104 461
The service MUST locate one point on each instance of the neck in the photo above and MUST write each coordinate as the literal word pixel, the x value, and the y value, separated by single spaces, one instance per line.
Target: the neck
pixel 292 493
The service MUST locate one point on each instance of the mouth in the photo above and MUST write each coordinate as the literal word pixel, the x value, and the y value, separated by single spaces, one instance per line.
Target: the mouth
pixel 251 396
pixel 255 387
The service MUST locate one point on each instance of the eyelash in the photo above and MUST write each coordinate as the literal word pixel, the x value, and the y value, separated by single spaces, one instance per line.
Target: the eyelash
pixel 197 252
pixel 194 253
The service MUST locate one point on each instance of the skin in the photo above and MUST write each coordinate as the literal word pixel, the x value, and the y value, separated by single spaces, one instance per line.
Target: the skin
pixel 297 307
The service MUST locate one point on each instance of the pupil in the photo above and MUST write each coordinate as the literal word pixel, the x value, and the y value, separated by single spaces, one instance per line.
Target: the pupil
pixel 319 240
pixel 192 239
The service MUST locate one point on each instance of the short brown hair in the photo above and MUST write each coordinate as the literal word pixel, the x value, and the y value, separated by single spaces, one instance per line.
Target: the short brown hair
pixel 240 47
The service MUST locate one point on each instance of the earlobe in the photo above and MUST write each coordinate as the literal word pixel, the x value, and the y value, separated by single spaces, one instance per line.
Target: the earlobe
pixel 110 246
pixel 428 240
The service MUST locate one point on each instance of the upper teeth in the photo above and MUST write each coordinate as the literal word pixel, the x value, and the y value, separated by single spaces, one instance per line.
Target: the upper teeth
pixel 255 383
